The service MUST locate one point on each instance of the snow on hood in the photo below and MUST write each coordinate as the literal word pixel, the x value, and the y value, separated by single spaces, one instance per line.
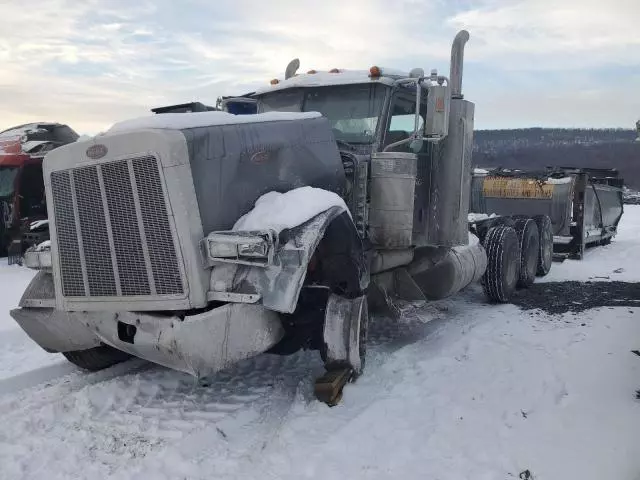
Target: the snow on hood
pixel 476 217
pixel 280 211
pixel 344 77
pixel 177 121
pixel 38 224
pixel 46 245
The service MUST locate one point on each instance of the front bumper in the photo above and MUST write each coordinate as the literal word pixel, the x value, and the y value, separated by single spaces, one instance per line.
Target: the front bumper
pixel 198 344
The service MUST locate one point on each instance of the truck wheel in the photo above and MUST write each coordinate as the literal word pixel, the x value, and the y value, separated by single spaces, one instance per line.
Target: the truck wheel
pixel 356 321
pixel 545 259
pixel 362 338
pixel 503 263
pixel 96 358
pixel 529 241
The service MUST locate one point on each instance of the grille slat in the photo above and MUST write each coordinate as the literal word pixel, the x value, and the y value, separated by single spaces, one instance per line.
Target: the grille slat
pixel 164 263
pixel 123 227
pixel 93 228
pixel 68 248
pixel 126 234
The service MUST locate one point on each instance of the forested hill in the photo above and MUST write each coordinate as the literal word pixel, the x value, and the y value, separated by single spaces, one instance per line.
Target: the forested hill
pixel 535 148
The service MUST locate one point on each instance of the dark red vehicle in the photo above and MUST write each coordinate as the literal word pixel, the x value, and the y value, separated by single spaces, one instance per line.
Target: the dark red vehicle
pixel 22 198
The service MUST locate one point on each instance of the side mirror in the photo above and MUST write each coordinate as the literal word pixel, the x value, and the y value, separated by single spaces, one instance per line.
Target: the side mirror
pixel 437 121
pixel 416 145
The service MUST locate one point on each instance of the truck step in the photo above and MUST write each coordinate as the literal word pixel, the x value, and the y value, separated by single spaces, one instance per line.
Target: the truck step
pixel 328 387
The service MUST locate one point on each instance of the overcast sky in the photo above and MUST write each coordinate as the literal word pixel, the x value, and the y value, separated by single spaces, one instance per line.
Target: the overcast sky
pixel 89 63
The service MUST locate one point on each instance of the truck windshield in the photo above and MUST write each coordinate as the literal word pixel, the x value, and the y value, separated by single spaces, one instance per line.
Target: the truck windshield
pixel 7 178
pixel 352 110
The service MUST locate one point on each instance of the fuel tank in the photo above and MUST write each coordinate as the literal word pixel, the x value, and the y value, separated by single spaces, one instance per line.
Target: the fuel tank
pixel 441 272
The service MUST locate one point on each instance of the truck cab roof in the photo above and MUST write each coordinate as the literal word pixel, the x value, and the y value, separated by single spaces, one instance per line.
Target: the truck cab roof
pixel 335 77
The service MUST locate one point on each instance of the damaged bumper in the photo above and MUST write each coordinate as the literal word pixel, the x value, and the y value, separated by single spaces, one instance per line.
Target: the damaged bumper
pixel 198 344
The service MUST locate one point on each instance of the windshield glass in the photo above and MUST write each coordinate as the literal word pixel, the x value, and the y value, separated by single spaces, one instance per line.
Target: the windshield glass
pixel 7 178
pixel 352 110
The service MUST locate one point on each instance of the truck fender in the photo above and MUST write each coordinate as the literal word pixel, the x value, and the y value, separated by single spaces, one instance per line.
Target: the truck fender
pixel 331 236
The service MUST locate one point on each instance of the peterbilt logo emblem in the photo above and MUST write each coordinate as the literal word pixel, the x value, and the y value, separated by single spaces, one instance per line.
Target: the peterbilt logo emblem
pixel 97 151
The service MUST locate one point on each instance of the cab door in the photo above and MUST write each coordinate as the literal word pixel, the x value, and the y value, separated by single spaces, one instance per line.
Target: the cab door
pixel 400 126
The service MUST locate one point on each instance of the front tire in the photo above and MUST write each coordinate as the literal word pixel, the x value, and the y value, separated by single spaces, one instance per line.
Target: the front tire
pixel 97 358
pixel 503 263
pixel 348 335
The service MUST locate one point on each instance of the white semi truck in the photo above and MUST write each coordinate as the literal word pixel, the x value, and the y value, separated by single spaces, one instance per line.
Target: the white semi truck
pixel 195 240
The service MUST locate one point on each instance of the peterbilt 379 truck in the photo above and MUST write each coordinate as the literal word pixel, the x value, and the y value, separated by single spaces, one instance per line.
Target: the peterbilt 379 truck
pixel 195 240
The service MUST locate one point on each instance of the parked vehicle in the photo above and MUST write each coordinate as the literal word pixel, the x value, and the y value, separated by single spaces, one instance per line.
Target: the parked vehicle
pixel 196 240
pixel 22 199
pixel 584 204
pixel 233 105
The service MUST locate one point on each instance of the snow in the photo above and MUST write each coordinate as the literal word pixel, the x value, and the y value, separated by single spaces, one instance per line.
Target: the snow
pixel 279 211
pixel 345 77
pixel 457 390
pixel 27 147
pixel 476 217
pixel 18 354
pixel 179 121
pixel 619 261
pixel 559 181
pixel 46 245
pixel 37 224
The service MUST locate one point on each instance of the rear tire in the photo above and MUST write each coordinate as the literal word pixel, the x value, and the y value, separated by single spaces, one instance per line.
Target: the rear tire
pixel 96 358
pixel 529 240
pixel 545 259
pixel 503 263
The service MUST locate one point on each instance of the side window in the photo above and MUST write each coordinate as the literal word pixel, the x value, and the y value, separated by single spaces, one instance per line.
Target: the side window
pixel 402 119
pixel 32 191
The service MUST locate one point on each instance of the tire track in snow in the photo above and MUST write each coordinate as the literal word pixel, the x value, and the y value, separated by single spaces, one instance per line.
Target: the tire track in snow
pixel 259 430
pixel 118 420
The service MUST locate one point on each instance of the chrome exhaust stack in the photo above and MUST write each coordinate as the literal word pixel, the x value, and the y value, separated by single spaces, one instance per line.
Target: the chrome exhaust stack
pixel 457 60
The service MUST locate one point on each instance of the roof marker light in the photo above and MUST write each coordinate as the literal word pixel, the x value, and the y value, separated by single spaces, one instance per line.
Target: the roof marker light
pixel 334 70
pixel 275 81
pixel 375 72
pixel 311 72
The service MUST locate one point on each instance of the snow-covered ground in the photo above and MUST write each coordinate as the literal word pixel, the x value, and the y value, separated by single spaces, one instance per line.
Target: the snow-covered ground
pixel 619 261
pixel 457 390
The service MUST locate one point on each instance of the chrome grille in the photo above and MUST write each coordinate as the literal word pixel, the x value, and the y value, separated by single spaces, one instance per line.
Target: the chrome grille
pixel 124 225
pixel 68 249
pixel 164 263
pixel 124 244
pixel 93 231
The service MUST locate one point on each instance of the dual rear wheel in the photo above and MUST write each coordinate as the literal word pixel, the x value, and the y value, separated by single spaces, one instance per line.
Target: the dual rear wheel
pixel 518 249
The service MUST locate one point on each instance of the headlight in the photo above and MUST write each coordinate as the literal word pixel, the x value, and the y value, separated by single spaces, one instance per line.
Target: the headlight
pixel 250 248
pixel 259 248
pixel 37 260
pixel 223 250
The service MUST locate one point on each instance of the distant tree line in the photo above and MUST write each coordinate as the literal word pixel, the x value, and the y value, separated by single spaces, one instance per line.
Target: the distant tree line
pixel 537 148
